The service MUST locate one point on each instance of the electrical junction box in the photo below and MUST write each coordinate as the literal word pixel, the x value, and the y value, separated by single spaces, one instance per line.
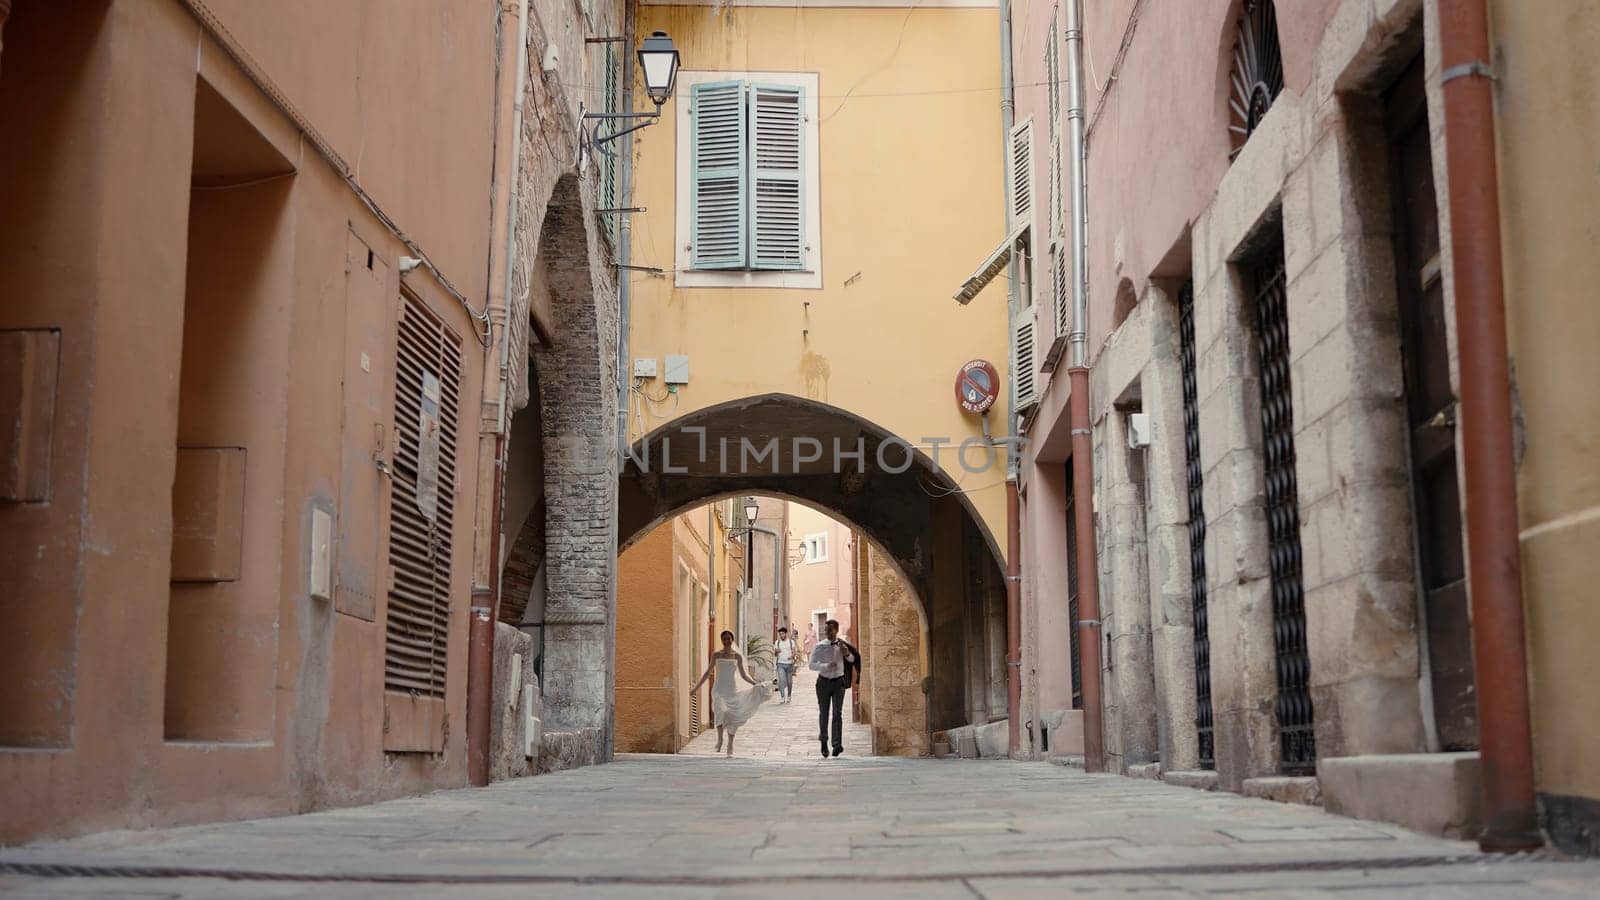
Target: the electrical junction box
pixel 1138 430
pixel 321 586
pixel 677 370
pixel 644 368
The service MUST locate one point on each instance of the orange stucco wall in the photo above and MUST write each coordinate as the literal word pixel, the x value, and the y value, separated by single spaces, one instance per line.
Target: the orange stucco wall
pixel 114 672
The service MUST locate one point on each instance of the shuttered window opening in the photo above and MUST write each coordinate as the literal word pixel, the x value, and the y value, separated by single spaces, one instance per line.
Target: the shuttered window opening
pixel 1025 358
pixel 748 198
pixel 609 190
pixel 422 503
pixel 1020 165
pixel 1059 265
pixel 1052 69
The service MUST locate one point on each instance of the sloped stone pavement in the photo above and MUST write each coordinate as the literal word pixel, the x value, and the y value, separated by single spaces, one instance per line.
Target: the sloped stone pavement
pixel 778 820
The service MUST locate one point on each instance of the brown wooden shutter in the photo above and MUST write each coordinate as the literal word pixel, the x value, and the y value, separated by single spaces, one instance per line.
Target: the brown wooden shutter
pixel 421 529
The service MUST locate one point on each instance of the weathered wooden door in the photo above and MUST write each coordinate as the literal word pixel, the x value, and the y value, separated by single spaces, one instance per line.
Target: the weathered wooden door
pixel 1431 415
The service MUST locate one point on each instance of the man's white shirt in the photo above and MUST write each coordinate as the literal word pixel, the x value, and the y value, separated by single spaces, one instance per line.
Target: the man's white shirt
pixel 786 651
pixel 828 659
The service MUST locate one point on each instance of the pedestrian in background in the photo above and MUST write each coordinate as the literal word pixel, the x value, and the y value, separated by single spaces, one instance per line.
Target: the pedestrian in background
pixel 784 650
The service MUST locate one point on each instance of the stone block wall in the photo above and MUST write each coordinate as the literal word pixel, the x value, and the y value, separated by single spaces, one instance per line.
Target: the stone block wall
pixel 513 674
pixel 899 709
pixel 1315 172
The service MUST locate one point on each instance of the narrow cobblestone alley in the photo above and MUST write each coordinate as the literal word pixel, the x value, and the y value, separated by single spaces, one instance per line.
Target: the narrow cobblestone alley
pixel 778 819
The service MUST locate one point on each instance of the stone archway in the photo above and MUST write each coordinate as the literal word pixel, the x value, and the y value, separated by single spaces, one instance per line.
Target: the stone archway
pixel 894 494
pixel 562 470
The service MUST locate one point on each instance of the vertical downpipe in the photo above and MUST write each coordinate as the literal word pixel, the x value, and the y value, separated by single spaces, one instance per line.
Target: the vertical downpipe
pixel 624 251
pixel 486 597
pixel 1488 459
pixel 1013 448
pixel 1078 409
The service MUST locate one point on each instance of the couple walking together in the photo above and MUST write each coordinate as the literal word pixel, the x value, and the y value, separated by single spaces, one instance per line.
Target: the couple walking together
pixel 837 664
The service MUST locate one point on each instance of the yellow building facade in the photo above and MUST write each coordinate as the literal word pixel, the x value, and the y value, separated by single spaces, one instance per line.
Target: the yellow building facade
pixel 868 325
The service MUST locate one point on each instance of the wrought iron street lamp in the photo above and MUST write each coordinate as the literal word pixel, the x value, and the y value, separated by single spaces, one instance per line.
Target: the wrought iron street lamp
pixel 658 61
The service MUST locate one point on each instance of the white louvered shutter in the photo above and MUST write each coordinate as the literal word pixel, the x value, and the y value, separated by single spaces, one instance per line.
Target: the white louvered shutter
pixel 1024 358
pixel 719 173
pixel 777 215
pixel 1020 165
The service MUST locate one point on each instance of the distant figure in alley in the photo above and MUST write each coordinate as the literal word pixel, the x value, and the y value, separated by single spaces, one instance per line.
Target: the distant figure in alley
pixel 838 666
pixel 784 650
pixel 729 706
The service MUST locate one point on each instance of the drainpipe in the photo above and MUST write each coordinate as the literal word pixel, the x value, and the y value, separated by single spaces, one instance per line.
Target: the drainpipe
pixel 1088 626
pixel 1013 517
pixel 503 230
pixel 1488 460
pixel 624 253
pixel 777 566
pixel 711 598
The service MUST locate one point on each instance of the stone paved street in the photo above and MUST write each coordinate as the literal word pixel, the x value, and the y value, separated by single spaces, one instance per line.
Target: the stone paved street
pixel 779 820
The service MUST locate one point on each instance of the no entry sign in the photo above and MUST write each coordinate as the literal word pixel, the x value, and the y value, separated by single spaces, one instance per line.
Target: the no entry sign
pixel 977 386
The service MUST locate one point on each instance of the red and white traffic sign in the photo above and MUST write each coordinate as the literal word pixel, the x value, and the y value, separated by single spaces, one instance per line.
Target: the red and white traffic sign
pixel 977 386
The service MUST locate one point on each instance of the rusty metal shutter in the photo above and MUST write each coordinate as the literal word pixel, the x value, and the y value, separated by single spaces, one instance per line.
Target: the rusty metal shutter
pixel 422 503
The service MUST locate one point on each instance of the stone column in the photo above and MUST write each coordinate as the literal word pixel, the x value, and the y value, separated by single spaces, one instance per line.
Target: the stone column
pixel 1130 721
pixel 1243 675
pixel 1350 440
pixel 1167 540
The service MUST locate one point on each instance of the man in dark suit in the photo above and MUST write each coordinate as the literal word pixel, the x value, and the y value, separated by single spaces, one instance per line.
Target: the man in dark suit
pixel 838 667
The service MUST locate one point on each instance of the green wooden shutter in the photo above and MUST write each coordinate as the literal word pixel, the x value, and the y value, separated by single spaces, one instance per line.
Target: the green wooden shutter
pixel 720 174
pixel 777 214
pixel 610 156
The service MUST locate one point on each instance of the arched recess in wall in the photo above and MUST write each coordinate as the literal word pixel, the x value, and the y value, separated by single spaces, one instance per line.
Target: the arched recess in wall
pixel 1250 69
pixel 1126 300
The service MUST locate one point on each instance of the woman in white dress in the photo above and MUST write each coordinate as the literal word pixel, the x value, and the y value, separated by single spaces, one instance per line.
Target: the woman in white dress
pixel 729 705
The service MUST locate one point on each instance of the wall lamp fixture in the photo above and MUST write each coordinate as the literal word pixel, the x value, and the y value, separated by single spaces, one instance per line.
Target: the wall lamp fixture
pixel 658 60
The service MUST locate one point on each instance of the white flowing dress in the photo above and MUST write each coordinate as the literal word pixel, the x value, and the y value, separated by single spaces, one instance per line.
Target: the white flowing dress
pixel 732 706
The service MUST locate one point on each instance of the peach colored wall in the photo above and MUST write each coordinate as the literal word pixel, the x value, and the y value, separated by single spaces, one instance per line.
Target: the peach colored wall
pixel 100 199
pixel 824 585
pixel 405 93
pixel 646 613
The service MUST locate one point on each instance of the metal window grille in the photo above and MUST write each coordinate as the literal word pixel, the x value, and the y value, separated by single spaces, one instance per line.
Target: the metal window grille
pixel 1256 75
pixel 422 502
pixel 1197 528
pixel 1298 750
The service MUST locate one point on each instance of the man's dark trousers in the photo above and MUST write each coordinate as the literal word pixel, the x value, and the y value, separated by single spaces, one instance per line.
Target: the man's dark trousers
pixel 830 691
